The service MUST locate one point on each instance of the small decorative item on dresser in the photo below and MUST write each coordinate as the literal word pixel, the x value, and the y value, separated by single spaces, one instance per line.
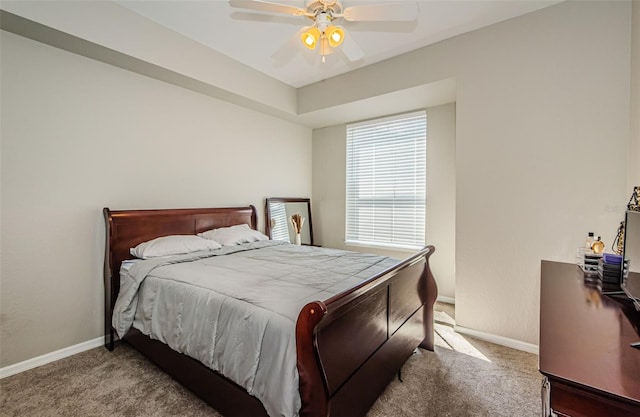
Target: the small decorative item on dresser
pixel 588 261
pixel 589 241
pixel 609 267
pixel 634 201
pixel 618 243
pixel 597 246
pixel 633 205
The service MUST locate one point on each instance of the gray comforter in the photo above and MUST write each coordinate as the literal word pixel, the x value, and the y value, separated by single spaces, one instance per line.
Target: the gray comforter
pixel 234 309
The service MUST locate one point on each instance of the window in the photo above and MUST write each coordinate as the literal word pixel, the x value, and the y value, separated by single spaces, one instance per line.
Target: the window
pixel 386 181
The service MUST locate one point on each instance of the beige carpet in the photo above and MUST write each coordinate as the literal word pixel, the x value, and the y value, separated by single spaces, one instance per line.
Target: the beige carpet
pixel 463 377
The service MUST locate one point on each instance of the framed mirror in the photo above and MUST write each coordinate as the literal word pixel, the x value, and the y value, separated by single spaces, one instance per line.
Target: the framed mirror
pixel 631 273
pixel 279 225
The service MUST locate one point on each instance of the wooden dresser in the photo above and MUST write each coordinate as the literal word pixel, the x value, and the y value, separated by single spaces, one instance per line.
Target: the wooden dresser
pixel 589 367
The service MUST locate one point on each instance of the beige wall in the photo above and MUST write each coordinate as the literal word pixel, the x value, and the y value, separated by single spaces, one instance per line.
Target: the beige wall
pixel 329 185
pixel 542 137
pixel 538 100
pixel 154 44
pixel 79 135
pixel 441 195
pixel 633 176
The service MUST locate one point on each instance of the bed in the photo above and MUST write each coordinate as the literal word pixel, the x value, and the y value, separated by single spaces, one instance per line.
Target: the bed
pixel 348 347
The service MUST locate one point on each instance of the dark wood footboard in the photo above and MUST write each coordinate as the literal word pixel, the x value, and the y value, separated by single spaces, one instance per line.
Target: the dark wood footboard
pixel 351 346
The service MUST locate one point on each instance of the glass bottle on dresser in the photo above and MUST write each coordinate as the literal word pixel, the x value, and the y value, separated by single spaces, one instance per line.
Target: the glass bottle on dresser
pixel 589 240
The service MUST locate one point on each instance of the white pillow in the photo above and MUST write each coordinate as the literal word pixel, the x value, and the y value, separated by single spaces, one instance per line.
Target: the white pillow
pixel 233 235
pixel 172 245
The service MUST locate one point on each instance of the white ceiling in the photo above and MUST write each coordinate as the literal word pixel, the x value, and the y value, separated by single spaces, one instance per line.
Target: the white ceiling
pixel 269 43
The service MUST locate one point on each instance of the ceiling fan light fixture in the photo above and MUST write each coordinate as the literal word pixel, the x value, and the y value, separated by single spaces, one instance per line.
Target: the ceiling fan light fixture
pixel 310 37
pixel 335 35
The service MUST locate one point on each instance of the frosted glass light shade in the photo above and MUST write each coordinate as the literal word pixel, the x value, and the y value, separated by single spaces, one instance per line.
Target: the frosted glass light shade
pixel 335 35
pixel 310 37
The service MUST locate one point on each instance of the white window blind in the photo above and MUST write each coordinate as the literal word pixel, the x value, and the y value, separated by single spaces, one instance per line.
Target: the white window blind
pixel 386 181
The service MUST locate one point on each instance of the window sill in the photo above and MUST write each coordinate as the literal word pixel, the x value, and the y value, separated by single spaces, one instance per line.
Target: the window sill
pixel 397 248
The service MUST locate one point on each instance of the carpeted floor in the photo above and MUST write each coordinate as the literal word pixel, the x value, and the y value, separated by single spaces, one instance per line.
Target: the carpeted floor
pixel 463 377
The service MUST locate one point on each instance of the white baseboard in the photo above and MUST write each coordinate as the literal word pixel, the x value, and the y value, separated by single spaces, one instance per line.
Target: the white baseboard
pixel 446 300
pixel 50 357
pixel 499 340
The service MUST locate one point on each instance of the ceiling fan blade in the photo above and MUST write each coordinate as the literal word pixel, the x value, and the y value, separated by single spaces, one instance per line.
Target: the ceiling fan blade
pixel 389 12
pixel 351 49
pixel 268 7
pixel 288 51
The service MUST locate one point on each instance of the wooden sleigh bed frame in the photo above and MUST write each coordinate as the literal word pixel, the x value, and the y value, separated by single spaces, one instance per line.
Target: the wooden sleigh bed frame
pixel 349 347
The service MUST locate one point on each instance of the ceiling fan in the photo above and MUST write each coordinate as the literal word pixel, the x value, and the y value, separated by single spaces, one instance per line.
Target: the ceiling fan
pixel 324 33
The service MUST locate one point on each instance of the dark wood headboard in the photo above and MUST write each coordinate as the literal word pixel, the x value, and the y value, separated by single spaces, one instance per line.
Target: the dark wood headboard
pixel 128 228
